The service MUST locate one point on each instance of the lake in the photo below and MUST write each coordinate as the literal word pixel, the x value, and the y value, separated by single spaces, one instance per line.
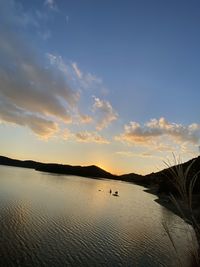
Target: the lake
pixel 60 220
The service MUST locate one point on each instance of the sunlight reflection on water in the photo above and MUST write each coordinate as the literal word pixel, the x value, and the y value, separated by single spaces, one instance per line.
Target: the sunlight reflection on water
pixel 57 220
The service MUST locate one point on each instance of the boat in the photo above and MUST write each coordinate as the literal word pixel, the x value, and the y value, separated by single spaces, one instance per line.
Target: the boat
pixel 116 194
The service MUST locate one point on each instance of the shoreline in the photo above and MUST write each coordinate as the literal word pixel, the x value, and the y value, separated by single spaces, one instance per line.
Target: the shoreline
pixel 180 210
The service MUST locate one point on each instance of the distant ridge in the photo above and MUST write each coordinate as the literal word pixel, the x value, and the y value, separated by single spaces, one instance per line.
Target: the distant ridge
pixel 84 171
pixel 88 171
pixel 160 178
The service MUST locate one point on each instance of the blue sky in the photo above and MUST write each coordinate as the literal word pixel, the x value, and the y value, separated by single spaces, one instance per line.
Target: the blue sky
pixel 112 83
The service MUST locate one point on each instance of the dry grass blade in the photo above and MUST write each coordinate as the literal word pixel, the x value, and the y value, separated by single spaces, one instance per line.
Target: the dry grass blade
pixel 179 175
pixel 179 208
pixel 172 242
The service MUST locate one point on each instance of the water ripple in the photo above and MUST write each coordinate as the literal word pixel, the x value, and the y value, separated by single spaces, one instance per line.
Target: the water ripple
pixel 47 220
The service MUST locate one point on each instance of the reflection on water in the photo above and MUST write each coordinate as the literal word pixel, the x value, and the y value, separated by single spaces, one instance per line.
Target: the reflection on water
pixel 55 220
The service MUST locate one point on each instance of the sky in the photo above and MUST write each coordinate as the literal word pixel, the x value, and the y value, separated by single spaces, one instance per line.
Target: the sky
pixel 112 83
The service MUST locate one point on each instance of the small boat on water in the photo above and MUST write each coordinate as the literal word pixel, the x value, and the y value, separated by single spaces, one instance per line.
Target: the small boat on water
pixel 116 194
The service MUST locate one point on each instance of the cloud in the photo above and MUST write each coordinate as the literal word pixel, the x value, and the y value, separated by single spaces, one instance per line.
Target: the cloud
pixel 77 77
pixel 91 80
pixel 77 71
pixel 42 127
pixel 41 93
pixel 85 119
pixel 66 134
pixel 102 109
pixel 43 88
pixel 29 86
pixel 45 35
pixel 51 4
pixel 82 136
pixel 130 154
pixel 59 63
pixel 105 113
pixel 153 130
pixel 127 154
pixel 85 80
pixel 90 137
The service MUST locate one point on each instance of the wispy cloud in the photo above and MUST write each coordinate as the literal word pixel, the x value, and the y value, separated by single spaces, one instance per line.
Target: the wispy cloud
pixel 18 17
pixel 160 134
pixel 51 4
pixel 66 134
pixel 77 71
pixel 82 136
pixel 130 154
pixel 90 137
pixel 104 112
pixel 58 62
pixel 86 80
pixel 45 35
pixel 77 77
pixel 127 154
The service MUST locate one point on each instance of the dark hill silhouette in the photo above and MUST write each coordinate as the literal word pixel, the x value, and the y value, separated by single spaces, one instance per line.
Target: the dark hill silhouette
pixel 160 179
pixel 133 178
pixel 88 171
pixel 164 177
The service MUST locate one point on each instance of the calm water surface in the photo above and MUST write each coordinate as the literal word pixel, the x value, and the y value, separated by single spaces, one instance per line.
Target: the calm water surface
pixel 57 220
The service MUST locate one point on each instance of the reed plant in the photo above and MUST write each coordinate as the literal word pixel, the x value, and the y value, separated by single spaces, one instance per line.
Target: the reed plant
pixel 184 181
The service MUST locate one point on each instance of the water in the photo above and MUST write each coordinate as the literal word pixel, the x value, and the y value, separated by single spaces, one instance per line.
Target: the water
pixel 57 220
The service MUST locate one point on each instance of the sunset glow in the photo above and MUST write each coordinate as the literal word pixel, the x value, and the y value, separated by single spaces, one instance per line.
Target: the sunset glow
pixel 100 82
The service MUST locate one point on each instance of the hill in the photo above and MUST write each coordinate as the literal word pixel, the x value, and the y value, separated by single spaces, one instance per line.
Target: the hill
pixel 164 179
pixel 88 171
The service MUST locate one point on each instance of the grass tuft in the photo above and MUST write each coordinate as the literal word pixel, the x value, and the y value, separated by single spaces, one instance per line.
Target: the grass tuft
pixel 184 183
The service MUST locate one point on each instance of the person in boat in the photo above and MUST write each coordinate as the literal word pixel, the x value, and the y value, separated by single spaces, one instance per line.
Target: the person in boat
pixel 116 194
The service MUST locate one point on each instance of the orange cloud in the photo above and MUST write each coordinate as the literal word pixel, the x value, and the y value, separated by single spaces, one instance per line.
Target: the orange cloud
pixel 90 137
